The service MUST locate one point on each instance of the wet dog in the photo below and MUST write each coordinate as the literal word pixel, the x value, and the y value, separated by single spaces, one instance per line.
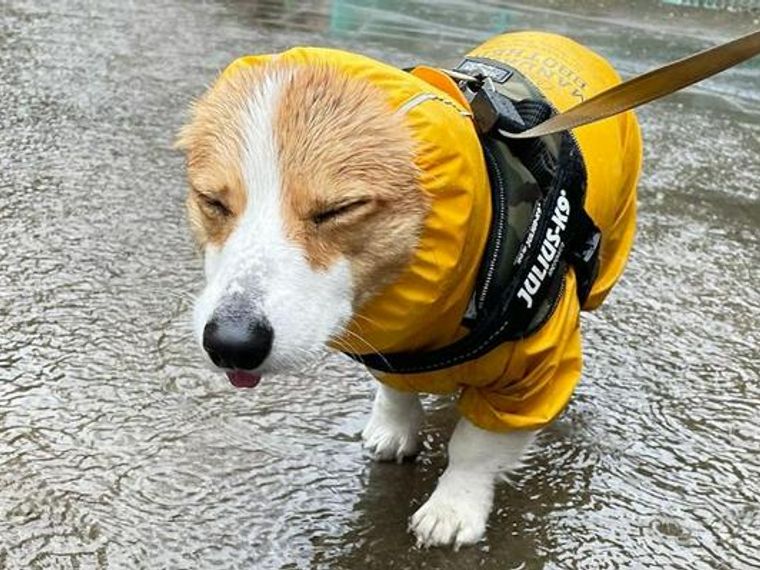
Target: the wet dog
pixel 341 202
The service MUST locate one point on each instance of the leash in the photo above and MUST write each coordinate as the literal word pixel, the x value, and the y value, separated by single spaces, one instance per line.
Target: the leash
pixel 643 88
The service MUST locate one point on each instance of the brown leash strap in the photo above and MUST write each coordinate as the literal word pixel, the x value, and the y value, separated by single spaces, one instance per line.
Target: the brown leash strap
pixel 649 86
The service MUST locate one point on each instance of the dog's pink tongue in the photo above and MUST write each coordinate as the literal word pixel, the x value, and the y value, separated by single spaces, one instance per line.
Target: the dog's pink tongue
pixel 243 379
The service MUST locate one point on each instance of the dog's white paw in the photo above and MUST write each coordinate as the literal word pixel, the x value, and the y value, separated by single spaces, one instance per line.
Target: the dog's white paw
pixel 453 515
pixel 392 431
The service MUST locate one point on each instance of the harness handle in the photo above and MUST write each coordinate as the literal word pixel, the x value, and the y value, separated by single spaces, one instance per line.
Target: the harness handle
pixel 648 86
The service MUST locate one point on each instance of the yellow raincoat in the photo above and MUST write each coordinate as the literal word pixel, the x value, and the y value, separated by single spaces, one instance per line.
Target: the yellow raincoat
pixel 521 384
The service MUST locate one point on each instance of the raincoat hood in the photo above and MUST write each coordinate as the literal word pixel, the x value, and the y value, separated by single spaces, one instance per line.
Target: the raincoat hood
pixel 422 308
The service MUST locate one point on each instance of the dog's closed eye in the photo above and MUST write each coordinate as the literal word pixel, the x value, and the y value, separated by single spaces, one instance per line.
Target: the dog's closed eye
pixel 211 205
pixel 339 210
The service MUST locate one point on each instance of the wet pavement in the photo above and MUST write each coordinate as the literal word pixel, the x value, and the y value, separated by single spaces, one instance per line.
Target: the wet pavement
pixel 118 449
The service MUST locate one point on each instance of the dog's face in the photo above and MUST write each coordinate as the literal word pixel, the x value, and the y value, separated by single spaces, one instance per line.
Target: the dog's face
pixel 304 198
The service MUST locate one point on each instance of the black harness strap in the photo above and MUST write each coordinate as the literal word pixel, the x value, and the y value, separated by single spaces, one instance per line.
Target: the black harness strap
pixel 560 233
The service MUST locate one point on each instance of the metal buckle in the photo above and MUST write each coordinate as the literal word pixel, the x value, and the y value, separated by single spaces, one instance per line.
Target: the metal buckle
pixel 459 76
pixel 470 84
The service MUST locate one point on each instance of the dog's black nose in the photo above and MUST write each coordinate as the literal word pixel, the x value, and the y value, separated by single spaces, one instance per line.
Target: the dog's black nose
pixel 232 343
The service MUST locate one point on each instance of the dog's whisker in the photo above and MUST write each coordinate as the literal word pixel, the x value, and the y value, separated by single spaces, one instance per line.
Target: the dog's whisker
pixel 372 322
pixel 344 346
pixel 360 339
pixel 372 348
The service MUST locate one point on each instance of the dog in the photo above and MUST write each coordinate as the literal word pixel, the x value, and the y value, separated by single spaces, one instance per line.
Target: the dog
pixel 340 202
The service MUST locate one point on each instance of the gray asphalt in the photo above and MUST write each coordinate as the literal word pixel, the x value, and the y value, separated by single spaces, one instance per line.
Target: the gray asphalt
pixel 118 449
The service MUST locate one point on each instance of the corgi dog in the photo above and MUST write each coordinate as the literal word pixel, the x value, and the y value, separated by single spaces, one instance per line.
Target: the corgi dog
pixel 342 203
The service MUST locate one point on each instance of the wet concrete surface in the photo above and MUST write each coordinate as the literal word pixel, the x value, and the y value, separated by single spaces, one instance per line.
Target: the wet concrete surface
pixel 118 449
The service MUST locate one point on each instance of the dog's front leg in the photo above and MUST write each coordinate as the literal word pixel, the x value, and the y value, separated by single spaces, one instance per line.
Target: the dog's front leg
pixel 393 429
pixel 457 511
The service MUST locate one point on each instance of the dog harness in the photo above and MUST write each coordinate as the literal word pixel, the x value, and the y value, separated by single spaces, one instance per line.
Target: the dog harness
pixel 539 226
pixel 561 227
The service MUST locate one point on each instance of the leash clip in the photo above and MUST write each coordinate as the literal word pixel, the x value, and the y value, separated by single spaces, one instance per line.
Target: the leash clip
pixel 469 80
pixel 491 110
pixel 494 111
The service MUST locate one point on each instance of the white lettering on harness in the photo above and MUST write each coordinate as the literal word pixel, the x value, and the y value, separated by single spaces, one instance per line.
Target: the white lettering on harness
pixel 550 247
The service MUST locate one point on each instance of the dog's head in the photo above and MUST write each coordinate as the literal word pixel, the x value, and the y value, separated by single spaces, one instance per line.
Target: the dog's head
pixel 305 200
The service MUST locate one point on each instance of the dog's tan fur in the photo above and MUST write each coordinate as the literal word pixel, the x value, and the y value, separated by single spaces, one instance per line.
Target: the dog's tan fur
pixel 340 146
pixel 213 142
